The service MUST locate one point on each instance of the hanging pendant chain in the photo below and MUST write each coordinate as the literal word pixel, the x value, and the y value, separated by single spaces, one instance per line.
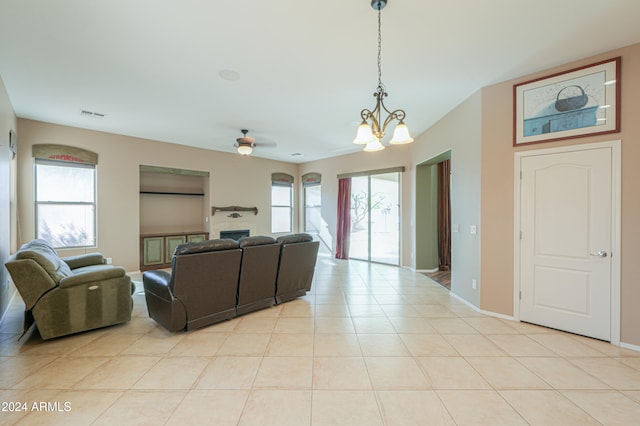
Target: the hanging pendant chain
pixel 379 46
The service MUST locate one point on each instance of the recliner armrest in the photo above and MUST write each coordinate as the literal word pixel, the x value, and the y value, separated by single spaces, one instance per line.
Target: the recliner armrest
pixel 157 282
pixel 94 275
pixel 84 260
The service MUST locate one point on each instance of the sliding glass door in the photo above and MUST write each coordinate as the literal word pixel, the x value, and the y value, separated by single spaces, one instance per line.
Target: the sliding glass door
pixel 359 238
pixel 375 218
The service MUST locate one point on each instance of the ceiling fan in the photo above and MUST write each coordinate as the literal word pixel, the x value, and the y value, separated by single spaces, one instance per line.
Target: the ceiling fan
pixel 245 144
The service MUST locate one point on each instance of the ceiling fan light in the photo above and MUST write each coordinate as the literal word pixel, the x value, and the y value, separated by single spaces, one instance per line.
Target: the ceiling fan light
pixel 364 134
pixel 374 146
pixel 401 135
pixel 245 149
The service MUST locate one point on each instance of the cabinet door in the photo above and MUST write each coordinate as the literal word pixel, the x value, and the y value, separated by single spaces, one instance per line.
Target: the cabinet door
pixel 171 243
pixel 196 238
pixel 153 249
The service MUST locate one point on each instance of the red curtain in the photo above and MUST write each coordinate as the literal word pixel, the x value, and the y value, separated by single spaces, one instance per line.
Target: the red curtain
pixel 343 228
pixel 444 215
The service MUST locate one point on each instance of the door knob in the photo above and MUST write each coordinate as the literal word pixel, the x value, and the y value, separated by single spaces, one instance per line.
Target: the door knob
pixel 601 253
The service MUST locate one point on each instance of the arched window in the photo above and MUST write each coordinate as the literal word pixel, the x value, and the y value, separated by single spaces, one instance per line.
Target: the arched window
pixel 65 195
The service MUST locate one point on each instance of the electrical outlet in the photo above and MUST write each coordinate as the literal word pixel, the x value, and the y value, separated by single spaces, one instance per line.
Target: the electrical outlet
pixel 474 284
pixel 109 261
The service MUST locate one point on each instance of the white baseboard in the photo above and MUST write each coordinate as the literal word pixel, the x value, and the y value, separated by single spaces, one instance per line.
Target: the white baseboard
pixel 466 302
pixel 497 315
pixel 630 346
pixel 427 271
pixel 11 300
pixel 511 318
pixel 481 311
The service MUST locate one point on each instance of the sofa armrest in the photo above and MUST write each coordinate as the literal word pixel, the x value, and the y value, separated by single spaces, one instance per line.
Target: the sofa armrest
pixel 84 260
pixel 31 279
pixel 93 275
pixel 157 282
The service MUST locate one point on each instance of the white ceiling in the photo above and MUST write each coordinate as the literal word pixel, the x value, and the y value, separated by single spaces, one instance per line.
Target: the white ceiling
pixel 306 68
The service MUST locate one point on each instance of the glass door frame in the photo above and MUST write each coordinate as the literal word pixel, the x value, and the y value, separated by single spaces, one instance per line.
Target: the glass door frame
pixel 369 221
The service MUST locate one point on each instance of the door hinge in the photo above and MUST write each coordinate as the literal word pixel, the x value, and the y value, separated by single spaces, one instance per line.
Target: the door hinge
pixel 520 234
pixel 520 295
pixel 520 174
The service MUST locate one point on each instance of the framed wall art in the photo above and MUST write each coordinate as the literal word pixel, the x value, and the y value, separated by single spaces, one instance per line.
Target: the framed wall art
pixel 575 103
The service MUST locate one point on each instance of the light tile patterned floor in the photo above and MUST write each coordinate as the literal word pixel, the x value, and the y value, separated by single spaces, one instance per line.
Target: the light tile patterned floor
pixel 370 345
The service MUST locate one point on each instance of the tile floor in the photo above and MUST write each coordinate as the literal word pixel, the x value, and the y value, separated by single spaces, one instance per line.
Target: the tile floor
pixel 370 345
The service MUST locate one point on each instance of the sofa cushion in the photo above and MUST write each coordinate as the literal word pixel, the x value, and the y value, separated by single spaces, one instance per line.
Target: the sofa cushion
pixel 43 253
pixel 204 246
pixel 259 240
pixel 295 238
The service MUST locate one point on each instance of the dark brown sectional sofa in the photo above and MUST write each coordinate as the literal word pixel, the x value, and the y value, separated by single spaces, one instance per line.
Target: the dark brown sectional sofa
pixel 215 280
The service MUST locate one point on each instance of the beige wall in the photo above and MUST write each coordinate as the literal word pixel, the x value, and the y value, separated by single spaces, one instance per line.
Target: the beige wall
pixel 459 132
pixel 7 195
pixel 234 180
pixel 498 189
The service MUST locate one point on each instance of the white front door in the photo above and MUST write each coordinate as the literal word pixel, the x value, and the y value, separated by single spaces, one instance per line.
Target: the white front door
pixel 566 239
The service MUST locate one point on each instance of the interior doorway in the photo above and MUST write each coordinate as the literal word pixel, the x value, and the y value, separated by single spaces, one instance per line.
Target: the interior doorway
pixel 433 219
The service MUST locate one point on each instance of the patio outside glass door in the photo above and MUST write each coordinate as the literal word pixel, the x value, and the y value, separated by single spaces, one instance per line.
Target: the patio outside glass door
pixel 375 218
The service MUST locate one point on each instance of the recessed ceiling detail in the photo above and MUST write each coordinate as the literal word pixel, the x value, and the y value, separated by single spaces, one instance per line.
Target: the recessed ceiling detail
pixel 229 75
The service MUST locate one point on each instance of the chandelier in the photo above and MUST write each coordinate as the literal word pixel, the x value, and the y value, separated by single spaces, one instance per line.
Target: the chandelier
pixel 371 130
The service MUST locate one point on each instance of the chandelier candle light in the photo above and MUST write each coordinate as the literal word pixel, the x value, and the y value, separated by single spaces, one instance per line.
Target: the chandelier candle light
pixel 369 131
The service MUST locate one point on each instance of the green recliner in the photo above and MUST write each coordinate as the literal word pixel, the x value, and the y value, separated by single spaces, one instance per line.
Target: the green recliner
pixel 69 295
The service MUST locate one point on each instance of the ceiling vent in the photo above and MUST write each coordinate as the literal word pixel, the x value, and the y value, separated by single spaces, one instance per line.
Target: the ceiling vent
pixel 85 113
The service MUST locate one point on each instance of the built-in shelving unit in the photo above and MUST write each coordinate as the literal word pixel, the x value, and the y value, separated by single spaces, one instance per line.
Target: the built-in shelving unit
pixel 173 210
pixel 156 250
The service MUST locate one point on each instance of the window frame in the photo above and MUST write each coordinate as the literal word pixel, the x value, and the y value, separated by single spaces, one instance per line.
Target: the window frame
pixel 94 203
pixel 290 206
pixel 305 207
